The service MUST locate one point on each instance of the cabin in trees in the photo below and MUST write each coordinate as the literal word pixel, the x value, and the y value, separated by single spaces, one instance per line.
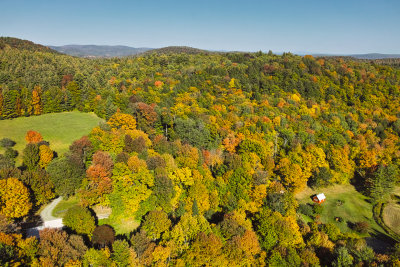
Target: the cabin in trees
pixel 319 198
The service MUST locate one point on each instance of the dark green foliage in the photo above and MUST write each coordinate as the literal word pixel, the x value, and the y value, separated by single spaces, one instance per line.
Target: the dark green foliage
pixel 6 254
pixel 180 211
pixel 40 184
pixel 343 258
pixel 239 183
pixel 193 132
pixel 66 175
pixel 318 208
pixel 164 192
pixel 381 183
pixel 31 156
pixel 10 107
pixel 7 143
pixel 306 209
pixel 320 178
pixel 279 202
pixel 7 160
pixel 10 153
pixel 195 208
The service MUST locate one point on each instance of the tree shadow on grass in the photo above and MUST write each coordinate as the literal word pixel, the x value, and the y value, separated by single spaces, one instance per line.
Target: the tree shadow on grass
pixel 379 242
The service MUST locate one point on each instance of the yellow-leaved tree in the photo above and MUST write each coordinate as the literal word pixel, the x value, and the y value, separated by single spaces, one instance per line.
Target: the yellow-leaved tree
pixel 46 155
pixel 122 121
pixel 14 198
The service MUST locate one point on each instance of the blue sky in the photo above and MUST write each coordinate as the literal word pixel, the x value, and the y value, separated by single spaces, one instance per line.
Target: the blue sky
pixel 318 26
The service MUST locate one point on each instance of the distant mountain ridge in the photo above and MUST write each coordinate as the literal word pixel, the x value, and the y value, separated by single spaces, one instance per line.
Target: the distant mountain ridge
pixel 375 56
pixel 178 50
pixel 107 51
pixel 371 56
pixel 99 50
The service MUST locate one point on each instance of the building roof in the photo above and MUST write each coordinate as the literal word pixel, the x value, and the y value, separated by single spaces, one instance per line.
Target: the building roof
pixel 321 196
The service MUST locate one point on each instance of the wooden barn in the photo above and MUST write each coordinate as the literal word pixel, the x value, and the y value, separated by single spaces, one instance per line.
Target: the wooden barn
pixel 319 198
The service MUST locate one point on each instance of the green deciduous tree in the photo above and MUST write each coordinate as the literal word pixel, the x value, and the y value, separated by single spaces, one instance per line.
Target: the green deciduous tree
pixel 80 220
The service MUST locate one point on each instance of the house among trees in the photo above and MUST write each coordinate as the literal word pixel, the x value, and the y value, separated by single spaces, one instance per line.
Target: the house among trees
pixel 319 198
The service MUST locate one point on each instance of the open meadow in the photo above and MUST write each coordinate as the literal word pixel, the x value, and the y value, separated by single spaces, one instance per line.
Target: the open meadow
pixel 343 201
pixel 59 129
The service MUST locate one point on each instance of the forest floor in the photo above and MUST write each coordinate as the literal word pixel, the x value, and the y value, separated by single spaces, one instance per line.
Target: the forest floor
pixel 59 129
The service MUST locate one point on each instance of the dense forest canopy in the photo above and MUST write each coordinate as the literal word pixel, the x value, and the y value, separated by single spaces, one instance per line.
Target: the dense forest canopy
pixel 205 151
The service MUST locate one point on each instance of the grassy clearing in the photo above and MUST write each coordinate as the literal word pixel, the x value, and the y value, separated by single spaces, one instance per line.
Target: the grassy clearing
pixel 391 212
pixel 355 207
pixel 65 204
pixel 60 129
pixel 121 226
pixel 391 216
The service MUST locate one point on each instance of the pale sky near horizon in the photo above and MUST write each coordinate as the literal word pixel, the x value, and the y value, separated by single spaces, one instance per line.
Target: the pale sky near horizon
pixel 317 26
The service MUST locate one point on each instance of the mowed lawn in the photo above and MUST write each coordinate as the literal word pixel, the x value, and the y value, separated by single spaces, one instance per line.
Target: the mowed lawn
pixel 391 212
pixel 59 129
pixel 355 207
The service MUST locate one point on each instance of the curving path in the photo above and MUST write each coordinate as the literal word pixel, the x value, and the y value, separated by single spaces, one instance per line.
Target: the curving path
pixel 49 221
pixel 46 213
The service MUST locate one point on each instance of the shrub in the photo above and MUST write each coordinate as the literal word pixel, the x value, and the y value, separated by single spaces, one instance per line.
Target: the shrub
pixel 361 227
pixel 339 202
pixel 7 143
pixel 318 209
pixel 306 209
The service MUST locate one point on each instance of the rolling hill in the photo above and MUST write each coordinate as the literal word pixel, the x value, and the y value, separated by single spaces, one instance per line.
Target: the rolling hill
pixel 99 50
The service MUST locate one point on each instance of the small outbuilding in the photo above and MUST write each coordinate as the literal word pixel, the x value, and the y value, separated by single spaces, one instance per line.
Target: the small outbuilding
pixel 319 198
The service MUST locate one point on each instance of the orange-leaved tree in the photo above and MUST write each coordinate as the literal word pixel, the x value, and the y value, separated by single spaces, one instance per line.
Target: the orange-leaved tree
pixel 33 137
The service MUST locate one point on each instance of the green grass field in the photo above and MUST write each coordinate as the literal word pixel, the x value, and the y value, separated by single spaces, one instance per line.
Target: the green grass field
pixel 355 208
pixel 65 204
pixel 121 226
pixel 60 129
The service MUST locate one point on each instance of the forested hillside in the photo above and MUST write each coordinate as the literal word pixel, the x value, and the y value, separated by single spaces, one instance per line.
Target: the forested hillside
pixel 203 154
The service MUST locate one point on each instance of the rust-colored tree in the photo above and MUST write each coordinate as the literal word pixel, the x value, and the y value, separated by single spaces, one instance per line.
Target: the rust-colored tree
pixel 33 137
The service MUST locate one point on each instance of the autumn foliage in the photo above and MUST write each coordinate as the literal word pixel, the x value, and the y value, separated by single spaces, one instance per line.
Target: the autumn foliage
pixel 122 121
pixel 14 198
pixel 33 137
